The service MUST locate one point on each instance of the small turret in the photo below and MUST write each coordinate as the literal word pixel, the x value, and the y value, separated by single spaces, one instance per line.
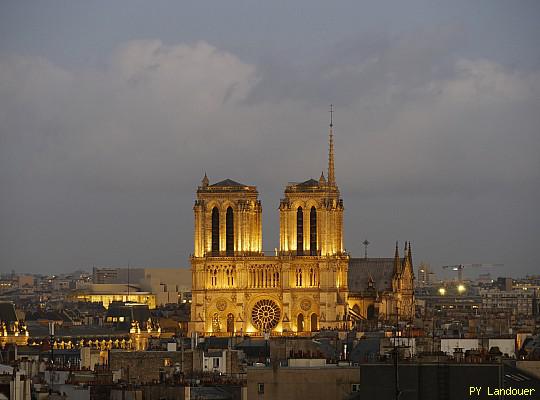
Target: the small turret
pixel 205 181
pixel 322 180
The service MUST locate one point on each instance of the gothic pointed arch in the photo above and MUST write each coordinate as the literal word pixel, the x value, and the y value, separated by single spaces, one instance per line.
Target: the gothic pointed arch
pixel 313 231
pixel 230 323
pixel 300 322
pixel 314 322
pixel 229 232
pixel 371 312
pixel 300 232
pixel 215 231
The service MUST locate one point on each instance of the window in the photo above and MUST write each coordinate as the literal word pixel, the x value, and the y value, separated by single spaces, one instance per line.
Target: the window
pixel 300 323
pixel 215 231
pixel 355 387
pixel 213 277
pixel 167 362
pixel 215 363
pixel 300 232
pixel 229 232
pixel 313 232
pixel 260 388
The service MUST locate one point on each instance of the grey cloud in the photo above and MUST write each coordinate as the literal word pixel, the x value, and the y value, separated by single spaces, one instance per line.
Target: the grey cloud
pixel 101 164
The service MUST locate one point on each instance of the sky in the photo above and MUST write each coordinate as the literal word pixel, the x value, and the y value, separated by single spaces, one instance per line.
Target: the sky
pixel 111 113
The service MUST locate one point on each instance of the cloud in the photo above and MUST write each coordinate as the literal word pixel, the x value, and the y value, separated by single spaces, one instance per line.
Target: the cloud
pixel 152 103
pixel 412 120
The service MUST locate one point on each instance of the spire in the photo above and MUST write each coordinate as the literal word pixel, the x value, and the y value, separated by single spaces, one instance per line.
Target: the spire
pixel 397 261
pixel 322 180
pixel 409 255
pixel 205 181
pixel 331 176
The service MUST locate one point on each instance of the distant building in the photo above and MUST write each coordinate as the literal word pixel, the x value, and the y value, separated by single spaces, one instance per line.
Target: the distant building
pixel 12 329
pixel 168 285
pixel 107 293
pixel 303 381
pixel 518 301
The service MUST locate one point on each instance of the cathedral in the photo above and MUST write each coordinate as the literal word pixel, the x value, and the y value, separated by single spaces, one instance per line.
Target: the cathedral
pixel 305 285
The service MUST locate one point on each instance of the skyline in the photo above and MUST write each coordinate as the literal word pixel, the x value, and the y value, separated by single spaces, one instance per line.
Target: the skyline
pixel 107 132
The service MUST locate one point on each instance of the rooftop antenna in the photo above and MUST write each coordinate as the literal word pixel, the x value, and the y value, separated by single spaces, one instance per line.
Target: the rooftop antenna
pixel 366 244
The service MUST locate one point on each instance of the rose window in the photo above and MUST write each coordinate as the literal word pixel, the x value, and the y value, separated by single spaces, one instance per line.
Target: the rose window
pixel 265 315
pixel 221 304
pixel 305 305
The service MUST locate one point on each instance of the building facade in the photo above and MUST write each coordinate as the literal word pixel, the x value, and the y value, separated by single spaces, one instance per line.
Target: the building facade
pixel 303 287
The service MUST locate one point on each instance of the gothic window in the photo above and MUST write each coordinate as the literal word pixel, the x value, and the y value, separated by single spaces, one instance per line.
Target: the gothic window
pixel 299 277
pixel 300 232
pixel 314 323
pixel 313 232
pixel 230 323
pixel 214 274
pixel 300 322
pixel 371 312
pixel 311 276
pixel 265 315
pixel 215 231
pixel 229 232
pixel 356 309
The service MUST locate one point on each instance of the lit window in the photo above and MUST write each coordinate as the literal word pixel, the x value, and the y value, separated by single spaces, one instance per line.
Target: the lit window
pixel 167 362
pixel 260 388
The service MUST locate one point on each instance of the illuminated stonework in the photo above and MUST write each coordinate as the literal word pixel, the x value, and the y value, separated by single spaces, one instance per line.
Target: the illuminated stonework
pixel 107 298
pixel 12 330
pixel 299 289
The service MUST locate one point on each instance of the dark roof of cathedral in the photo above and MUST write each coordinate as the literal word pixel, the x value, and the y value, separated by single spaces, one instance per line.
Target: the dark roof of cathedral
pixel 7 312
pixel 311 185
pixel 227 183
pixel 381 270
pixel 309 182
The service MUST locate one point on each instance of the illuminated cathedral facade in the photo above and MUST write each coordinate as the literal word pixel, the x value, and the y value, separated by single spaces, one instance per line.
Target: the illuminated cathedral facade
pixel 303 287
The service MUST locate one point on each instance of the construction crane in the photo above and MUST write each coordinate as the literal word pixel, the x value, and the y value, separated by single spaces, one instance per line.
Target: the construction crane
pixel 460 267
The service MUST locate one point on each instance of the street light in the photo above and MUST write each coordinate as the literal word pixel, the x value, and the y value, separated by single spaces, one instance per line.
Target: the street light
pixel 442 291
pixel 461 288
